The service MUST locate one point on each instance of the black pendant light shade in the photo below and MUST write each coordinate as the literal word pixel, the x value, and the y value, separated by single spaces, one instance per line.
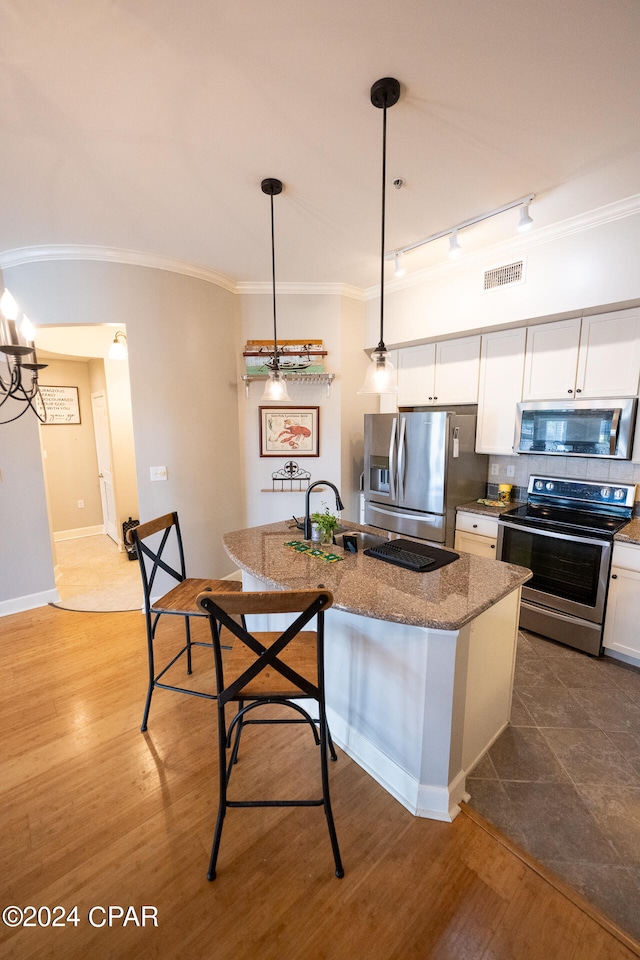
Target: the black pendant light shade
pixel 381 376
pixel 275 388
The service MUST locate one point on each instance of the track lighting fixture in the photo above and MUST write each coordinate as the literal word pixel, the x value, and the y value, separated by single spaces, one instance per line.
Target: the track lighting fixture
pixel 399 270
pixel 381 375
pixel 525 219
pixel 525 222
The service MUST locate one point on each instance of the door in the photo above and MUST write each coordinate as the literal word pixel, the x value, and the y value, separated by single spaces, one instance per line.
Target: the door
pixel 103 452
pixel 422 446
pixel 380 457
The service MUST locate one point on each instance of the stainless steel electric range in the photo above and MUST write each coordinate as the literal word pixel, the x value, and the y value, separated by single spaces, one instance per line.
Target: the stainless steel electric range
pixel 564 535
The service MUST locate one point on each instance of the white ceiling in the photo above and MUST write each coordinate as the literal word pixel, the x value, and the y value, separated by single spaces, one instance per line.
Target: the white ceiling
pixel 147 125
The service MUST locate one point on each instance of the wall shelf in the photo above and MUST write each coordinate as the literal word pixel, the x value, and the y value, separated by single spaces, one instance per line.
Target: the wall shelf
pixel 326 378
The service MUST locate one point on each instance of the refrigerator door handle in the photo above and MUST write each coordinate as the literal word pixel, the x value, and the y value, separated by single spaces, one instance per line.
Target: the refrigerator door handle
pixel 392 459
pixel 423 517
pixel 401 453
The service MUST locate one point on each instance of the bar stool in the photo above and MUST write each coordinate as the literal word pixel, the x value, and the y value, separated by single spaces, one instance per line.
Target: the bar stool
pixel 269 668
pixel 159 547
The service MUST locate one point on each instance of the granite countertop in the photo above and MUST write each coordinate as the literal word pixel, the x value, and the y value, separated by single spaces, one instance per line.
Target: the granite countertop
pixel 444 599
pixel 630 533
pixel 486 511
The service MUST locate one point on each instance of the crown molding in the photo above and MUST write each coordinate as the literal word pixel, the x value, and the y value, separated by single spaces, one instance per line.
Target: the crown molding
pixel 516 246
pixel 23 255
pixel 317 289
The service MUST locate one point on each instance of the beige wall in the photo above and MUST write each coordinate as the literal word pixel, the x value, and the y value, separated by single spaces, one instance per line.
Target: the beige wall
pixel 182 359
pixel 69 452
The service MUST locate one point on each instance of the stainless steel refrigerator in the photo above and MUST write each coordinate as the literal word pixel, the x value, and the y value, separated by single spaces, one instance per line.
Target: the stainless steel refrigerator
pixel 418 467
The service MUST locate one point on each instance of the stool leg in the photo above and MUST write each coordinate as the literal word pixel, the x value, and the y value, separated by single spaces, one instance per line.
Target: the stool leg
pixel 187 630
pixel 150 635
pixel 222 800
pixel 324 760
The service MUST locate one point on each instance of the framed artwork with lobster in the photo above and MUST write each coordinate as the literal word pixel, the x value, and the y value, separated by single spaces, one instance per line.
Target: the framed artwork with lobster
pixel 285 431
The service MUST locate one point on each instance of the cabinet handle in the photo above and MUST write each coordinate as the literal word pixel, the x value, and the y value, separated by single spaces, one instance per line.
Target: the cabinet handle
pixel 578 390
pixel 569 391
pixel 475 526
pixel 614 576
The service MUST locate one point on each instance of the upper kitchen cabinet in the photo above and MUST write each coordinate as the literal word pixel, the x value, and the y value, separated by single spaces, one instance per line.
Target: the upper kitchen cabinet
pixel 437 374
pixel 501 373
pixel 594 357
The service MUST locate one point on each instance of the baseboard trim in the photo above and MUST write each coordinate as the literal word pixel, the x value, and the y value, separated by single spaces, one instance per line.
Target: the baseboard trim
pixel 30 602
pixel 78 533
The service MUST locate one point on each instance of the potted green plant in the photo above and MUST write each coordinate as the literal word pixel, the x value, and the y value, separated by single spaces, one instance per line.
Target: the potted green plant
pixel 325 524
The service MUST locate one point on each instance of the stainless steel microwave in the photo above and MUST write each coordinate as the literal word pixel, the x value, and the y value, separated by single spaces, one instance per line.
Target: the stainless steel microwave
pixel 577 428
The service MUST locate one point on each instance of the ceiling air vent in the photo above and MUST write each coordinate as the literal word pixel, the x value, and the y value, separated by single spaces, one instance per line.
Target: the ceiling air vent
pixel 502 276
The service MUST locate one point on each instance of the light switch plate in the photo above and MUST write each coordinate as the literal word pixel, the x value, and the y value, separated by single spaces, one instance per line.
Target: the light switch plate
pixel 158 473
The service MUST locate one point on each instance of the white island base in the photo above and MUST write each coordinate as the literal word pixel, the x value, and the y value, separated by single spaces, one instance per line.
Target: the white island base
pixel 417 707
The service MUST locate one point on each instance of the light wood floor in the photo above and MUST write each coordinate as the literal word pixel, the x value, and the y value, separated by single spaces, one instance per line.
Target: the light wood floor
pixel 94 813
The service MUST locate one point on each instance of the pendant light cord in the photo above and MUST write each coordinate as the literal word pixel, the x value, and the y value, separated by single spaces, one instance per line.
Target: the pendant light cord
pixel 381 346
pixel 276 365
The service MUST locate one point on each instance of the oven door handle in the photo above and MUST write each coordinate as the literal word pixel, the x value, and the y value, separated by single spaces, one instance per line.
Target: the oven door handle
pixel 613 432
pixel 536 531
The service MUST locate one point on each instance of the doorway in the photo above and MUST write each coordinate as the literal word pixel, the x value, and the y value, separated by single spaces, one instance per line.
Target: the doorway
pixel 89 468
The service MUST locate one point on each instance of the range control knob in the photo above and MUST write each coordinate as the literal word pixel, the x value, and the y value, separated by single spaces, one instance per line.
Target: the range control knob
pixel 539 485
pixel 605 492
pixel 549 485
pixel 619 493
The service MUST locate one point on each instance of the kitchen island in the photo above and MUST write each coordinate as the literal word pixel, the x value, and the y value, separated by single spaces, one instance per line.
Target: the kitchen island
pixel 419 666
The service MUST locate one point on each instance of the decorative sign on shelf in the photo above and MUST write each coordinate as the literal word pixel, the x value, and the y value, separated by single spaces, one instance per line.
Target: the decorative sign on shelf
pixel 290 474
pixel 294 356
pixel 60 403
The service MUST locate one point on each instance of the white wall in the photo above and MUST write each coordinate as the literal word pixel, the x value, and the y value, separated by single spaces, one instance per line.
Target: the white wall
pixel 339 322
pixel 587 265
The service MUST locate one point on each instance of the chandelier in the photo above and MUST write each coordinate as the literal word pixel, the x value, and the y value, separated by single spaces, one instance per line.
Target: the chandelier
pixel 19 372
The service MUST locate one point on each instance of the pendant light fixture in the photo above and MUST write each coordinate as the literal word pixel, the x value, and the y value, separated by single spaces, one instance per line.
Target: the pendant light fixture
pixel 275 389
pixel 381 375
pixel 17 345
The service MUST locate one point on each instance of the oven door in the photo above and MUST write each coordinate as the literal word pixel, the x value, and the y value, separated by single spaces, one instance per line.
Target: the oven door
pixel 570 571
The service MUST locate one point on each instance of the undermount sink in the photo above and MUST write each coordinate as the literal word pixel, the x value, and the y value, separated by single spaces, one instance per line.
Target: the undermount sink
pixel 363 540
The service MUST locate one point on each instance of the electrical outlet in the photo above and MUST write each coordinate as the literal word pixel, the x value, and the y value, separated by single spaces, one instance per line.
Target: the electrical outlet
pixel 495 469
pixel 158 473
pixel 511 470
pixel 80 504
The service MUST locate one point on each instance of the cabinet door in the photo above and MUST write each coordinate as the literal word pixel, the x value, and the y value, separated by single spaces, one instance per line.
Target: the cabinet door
pixel 457 368
pixel 609 360
pixel 416 366
pixel 551 360
pixel 501 372
pixel 623 613
pixel 472 543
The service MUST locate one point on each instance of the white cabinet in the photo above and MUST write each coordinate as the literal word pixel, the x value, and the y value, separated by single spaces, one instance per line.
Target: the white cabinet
pixel 501 372
pixel 476 534
pixel 594 357
pixel 621 634
pixel 441 373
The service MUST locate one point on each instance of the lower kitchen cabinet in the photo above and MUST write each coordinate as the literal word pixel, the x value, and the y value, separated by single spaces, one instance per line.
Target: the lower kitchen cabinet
pixel 476 534
pixel 621 634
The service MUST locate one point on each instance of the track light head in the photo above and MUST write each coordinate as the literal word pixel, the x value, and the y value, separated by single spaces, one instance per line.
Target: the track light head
pixel 525 219
pixel 454 247
pixel 399 270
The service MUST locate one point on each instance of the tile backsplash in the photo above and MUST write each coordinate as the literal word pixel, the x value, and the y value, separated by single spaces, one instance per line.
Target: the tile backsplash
pixel 578 468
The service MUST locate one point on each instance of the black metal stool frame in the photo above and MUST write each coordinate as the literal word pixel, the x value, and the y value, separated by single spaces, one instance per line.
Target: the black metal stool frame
pixel 229 737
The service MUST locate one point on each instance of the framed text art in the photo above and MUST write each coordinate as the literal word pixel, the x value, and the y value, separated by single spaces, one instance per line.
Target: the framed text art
pixel 61 404
pixel 284 430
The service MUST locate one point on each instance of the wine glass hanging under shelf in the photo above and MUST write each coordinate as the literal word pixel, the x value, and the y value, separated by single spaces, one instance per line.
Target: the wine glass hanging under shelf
pixel 326 378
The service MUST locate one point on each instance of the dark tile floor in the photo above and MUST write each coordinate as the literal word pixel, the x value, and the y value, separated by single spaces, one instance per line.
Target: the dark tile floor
pixel 563 781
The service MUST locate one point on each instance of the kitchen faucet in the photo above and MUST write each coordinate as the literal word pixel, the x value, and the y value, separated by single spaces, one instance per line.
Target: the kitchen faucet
pixel 307 516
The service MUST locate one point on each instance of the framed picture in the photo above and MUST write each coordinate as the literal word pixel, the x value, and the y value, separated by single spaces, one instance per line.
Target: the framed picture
pixel 61 404
pixel 285 431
